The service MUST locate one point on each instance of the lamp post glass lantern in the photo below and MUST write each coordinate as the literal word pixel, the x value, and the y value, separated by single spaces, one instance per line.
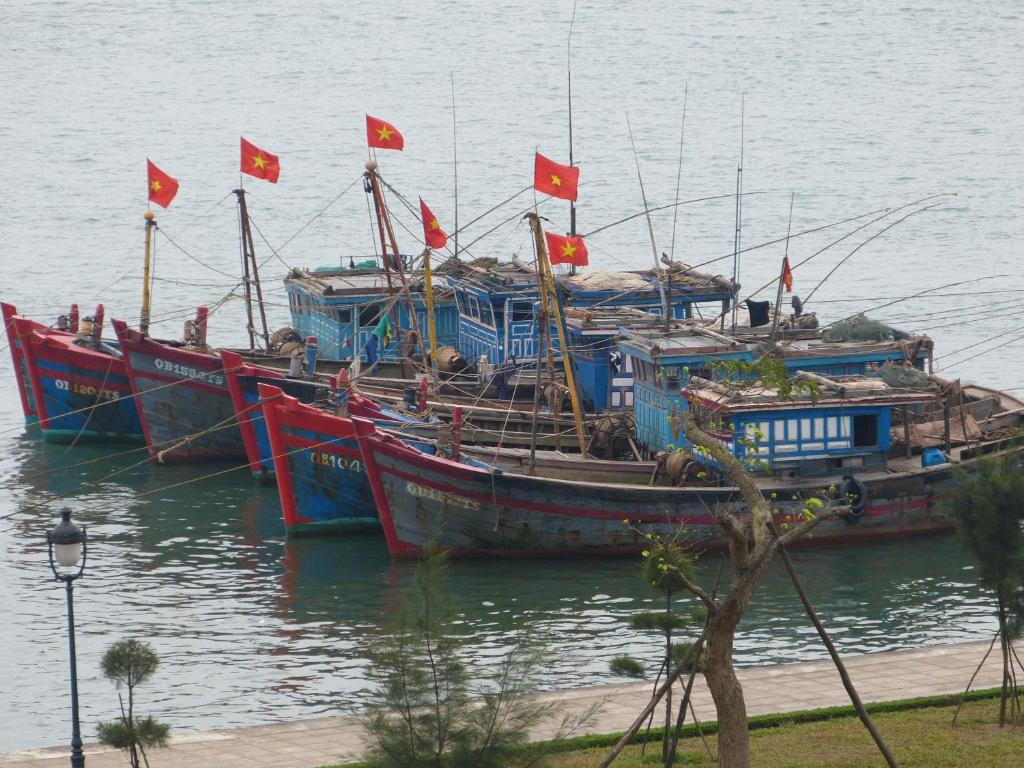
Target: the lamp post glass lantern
pixel 67 550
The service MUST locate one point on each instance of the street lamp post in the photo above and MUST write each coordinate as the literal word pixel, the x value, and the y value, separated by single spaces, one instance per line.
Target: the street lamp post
pixel 66 544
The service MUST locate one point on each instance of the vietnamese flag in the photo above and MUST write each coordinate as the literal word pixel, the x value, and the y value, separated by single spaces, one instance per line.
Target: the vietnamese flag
pixel 433 235
pixel 553 179
pixel 569 249
pixel 258 163
pixel 162 188
pixel 787 275
pixel 382 135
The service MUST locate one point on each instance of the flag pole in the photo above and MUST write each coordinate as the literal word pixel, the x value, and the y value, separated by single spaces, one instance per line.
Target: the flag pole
pixel 429 299
pixel 568 71
pixel 147 288
pixel 545 276
pixel 739 214
pixel 455 172
pixel 383 220
pixel 782 272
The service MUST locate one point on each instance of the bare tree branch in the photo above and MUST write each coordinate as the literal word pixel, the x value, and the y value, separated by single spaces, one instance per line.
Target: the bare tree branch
pixel 831 513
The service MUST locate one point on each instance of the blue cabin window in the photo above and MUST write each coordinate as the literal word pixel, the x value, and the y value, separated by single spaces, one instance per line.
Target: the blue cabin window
pixel 369 315
pixel 522 311
pixel 865 430
pixel 474 307
pixel 343 316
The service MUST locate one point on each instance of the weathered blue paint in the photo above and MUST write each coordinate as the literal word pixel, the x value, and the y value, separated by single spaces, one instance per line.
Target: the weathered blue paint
pixel 342 322
pixel 87 406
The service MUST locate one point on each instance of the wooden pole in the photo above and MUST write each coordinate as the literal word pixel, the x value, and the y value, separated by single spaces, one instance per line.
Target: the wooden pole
pixel 858 705
pixel 147 289
pixel 907 451
pixel 782 274
pixel 570 376
pixel 429 300
pixel 382 215
pixel 948 443
pixel 250 274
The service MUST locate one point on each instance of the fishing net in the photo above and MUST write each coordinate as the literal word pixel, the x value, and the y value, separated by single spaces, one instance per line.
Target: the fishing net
pixel 600 280
pixel 859 328
pixel 903 376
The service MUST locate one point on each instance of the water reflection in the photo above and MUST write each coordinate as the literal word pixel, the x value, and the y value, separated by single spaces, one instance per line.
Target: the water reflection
pixel 253 627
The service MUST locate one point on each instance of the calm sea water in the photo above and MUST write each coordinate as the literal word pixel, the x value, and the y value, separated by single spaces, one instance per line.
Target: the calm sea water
pixel 852 107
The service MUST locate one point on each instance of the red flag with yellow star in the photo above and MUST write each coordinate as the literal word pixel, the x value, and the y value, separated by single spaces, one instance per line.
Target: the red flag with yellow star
pixel 382 135
pixel 556 180
pixel 433 235
pixel 568 249
pixel 162 188
pixel 256 162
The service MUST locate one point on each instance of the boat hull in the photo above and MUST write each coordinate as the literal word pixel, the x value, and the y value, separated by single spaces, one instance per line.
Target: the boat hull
pixel 18 330
pixel 183 400
pixel 471 511
pixel 319 468
pixel 83 394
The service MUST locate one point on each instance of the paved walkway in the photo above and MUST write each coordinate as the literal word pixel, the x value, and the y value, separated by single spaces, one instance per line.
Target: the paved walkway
pixel 779 688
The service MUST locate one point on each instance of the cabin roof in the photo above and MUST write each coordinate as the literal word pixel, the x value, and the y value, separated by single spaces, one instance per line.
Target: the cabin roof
pixel 353 282
pixel 844 391
pixel 684 340
pixel 507 278
pixel 819 347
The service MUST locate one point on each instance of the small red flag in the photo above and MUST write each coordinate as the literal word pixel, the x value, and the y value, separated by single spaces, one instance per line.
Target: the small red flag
pixel 258 163
pixel 433 235
pixel 162 188
pixel 382 135
pixel 569 249
pixel 787 275
pixel 553 179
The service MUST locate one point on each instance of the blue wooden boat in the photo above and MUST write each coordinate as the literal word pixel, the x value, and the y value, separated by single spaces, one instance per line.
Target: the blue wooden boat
pixel 471 510
pixel 661 363
pixel 341 307
pixel 318 465
pixel 497 303
pixel 72 381
pixel 183 399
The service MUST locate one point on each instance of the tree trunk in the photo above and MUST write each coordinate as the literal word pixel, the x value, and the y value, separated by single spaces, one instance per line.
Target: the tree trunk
pixel 733 744
pixel 1005 647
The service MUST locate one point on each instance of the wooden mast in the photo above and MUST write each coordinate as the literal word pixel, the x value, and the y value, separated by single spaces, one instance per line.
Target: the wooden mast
pixel 147 288
pixel 545 277
pixel 384 220
pixel 251 275
pixel 782 274
pixel 428 284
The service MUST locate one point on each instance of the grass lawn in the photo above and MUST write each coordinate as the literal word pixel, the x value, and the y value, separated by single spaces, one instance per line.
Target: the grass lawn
pixel 917 737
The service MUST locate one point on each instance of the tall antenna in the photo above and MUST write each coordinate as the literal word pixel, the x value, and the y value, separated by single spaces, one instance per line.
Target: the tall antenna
pixel 679 176
pixel 650 227
pixel 568 69
pixel 455 169
pixel 739 211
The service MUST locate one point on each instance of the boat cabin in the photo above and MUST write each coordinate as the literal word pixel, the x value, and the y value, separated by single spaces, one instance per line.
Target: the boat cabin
pixel 341 307
pixel 662 363
pixel 497 303
pixel 845 429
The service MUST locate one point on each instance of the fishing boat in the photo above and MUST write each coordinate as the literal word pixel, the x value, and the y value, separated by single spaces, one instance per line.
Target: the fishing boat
pixel 324 392
pixel 18 330
pixel 183 399
pixel 842 441
pixel 321 481
pixel 71 380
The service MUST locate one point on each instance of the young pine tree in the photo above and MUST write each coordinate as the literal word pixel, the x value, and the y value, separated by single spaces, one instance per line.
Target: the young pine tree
pixel 129 663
